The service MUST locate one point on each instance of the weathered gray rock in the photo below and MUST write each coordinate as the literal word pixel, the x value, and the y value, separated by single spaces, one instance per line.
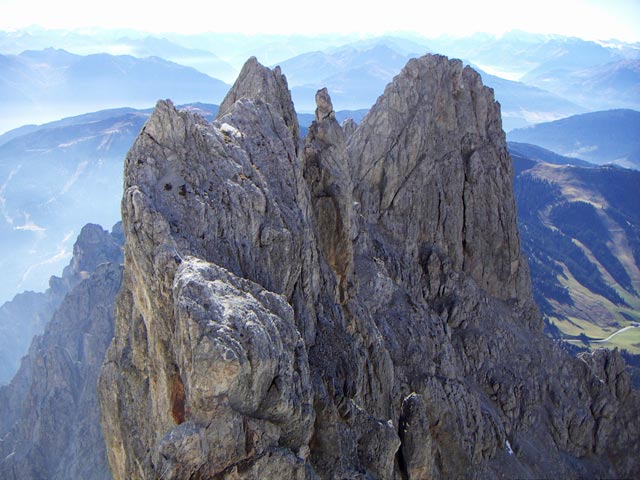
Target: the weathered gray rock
pixel 358 309
pixel 258 82
pixel 51 426
pixel 432 150
pixel 348 126
pixel 236 205
pixel 20 319
pixel 326 171
pixel 416 447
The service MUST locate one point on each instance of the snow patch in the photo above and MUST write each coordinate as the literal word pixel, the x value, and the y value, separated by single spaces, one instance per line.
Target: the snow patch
pixel 230 130
pixel 508 447
pixel 29 225
pixel 79 169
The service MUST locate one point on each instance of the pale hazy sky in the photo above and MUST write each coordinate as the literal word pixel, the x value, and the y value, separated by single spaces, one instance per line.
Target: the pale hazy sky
pixel 591 19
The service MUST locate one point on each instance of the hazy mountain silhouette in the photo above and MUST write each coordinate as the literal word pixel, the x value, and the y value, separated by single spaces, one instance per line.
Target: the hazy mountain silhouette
pixel 356 74
pixel 524 104
pixel 598 137
pixel 53 83
pixel 519 52
pixel 611 85
pixel 526 152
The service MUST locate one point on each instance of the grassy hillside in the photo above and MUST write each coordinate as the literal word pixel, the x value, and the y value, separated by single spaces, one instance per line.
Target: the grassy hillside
pixel 580 230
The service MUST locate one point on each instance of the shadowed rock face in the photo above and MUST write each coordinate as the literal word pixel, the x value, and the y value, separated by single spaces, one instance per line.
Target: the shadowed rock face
pixel 353 307
pixel 50 422
pixel 27 313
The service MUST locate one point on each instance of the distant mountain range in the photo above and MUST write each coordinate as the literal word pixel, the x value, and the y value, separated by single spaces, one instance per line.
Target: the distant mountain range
pixel 202 60
pixel 516 53
pixel 611 136
pixel 537 78
pixel 522 104
pixel 357 74
pixel 53 83
pixel 598 87
pixel 231 48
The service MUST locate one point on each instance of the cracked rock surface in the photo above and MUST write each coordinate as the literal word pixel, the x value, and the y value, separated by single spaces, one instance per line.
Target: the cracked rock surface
pixel 353 305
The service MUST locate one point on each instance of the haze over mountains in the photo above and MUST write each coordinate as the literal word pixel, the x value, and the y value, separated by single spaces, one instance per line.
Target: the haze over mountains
pixel 611 136
pixel 53 83
pixel 56 177
pixel 524 69
pixel 50 81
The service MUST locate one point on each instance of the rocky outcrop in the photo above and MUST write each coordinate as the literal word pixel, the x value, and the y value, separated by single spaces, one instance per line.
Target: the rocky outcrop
pixel 20 319
pixel 27 313
pixel 270 86
pixel 436 126
pixel 326 172
pixel 50 423
pixel 353 308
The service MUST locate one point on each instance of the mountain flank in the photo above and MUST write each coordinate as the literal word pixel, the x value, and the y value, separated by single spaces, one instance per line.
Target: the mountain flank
pixel 49 421
pixel 611 136
pixel 581 234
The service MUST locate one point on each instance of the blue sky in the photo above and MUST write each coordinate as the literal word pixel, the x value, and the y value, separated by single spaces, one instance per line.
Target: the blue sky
pixel 591 19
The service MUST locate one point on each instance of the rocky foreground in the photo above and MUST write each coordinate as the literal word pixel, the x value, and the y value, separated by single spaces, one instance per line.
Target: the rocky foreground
pixel 351 306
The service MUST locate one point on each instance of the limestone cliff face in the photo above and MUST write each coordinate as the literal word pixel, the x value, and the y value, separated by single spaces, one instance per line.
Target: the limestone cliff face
pixel 352 306
pixel 432 150
pixel 50 422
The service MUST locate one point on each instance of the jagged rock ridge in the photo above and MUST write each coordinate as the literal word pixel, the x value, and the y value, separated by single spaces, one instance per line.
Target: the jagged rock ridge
pixel 27 313
pixel 50 424
pixel 353 306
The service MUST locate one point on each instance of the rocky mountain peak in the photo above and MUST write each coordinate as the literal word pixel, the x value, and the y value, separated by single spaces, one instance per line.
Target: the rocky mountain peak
pixel 28 313
pixel 50 425
pixel 355 309
pixel 327 175
pixel 324 107
pixel 93 246
pixel 258 82
pixel 435 138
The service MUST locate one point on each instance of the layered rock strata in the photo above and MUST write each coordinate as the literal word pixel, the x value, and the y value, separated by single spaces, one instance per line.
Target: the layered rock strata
pixel 349 306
